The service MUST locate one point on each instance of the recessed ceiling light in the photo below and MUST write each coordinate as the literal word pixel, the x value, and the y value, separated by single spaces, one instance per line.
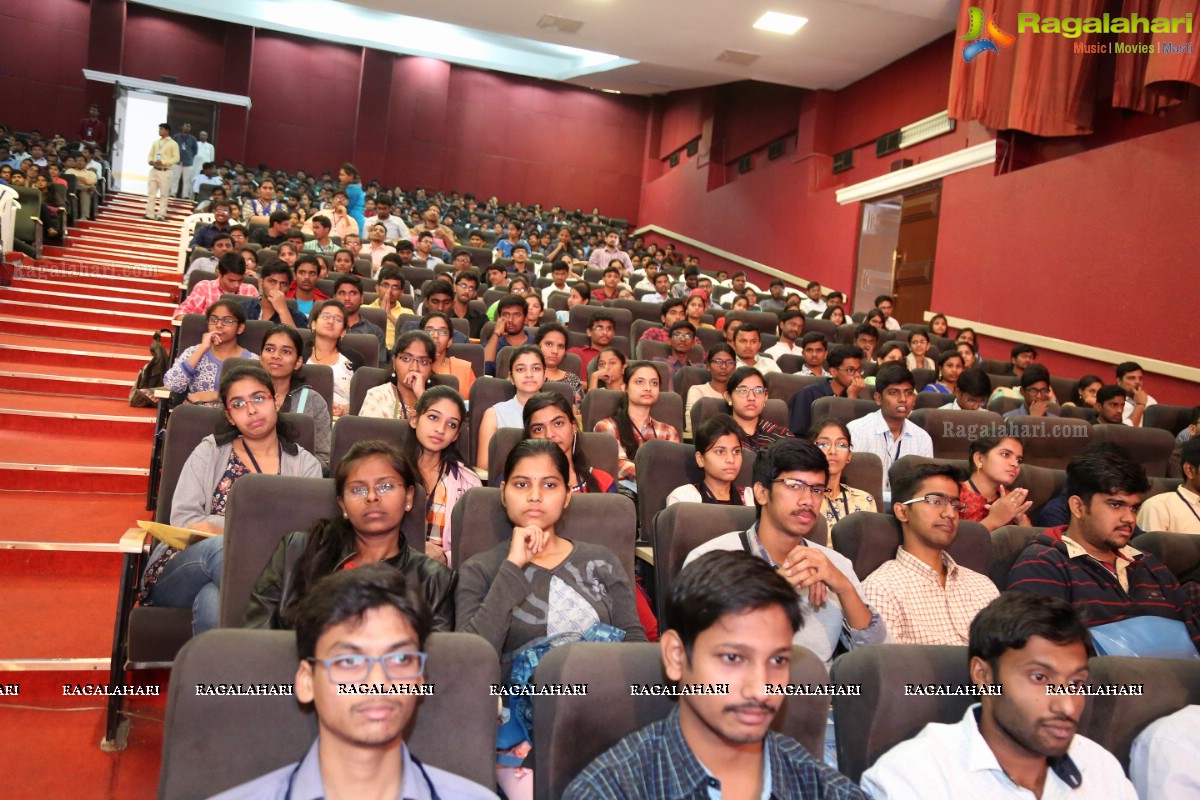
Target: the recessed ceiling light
pixel 611 91
pixel 780 23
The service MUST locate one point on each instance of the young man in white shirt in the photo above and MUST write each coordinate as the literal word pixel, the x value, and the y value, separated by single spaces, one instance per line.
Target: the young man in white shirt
pixel 1020 742
pixel 789 484
pixel 747 342
pixel 886 304
pixel 814 348
pixel 1129 378
pixel 812 301
pixel 888 433
pixel 1177 511
pixel 791 328
pixel 923 596
pixel 662 289
pixel 363 627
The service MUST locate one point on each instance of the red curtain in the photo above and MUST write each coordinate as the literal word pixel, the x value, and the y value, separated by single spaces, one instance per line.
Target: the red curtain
pixel 1039 84
pixel 1150 82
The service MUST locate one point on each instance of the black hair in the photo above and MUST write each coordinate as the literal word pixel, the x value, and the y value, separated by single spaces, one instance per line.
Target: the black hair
pixel 1020 349
pixel 918 332
pixel 322 219
pixel 673 302
pixel 544 400
pixel 390 272
pixel 1013 618
pixel 306 258
pixel 813 337
pixel 276 266
pixel 719 347
pixel 220 237
pixel 942 317
pixel 236 310
pixel 725 583
pixel 439 287
pixel 584 290
pixel 740 374
pixel 278 217
pixel 547 328
pixel 531 448
pixel 353 280
pixel 1190 453
pixel 986 444
pixel 349 594
pixel 839 353
pixel 1105 471
pixel 226 431
pixel 825 422
pixel 790 314
pixel 904 485
pixel 524 350
pixel 625 430
pixel 1193 417
pixel 946 356
pixel 867 330
pixel 510 301
pixel 1107 393
pixel 406 338
pixel 602 316
pixel 231 263
pixel 713 429
pixel 747 327
pixel 975 382
pixel 328 539
pixel 470 274
pixel 451 454
pixel 1081 384
pixel 1126 367
pixel 884 298
pixel 682 325
pixel 788 455
pixel 1034 373
pixel 891 374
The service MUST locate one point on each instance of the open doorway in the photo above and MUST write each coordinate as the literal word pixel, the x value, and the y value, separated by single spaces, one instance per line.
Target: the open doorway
pixel 896 245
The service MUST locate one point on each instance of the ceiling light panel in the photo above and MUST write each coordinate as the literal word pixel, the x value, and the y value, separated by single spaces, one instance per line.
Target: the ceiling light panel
pixel 775 22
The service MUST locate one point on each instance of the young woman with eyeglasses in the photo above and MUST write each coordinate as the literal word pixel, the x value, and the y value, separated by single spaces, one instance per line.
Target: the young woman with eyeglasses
pixel 830 434
pixel 439 327
pixel 328 324
pixel 719 454
pixel 527 372
pixel 374 483
pixel 551 338
pixel 538 582
pixel 746 394
pixel 721 362
pixel 197 371
pixel 446 477
pixel 987 495
pixel 631 423
pixel 412 364
pixel 253 438
pixel 282 358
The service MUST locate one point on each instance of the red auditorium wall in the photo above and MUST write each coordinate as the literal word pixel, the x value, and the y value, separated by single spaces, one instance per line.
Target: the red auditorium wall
pixel 41 64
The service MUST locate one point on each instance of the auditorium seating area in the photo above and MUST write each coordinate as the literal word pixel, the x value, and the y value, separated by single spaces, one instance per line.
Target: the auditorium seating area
pixel 78 317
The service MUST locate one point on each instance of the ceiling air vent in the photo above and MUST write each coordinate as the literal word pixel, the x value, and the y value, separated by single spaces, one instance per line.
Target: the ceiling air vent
pixel 693 147
pixel 562 24
pixel 775 149
pixel 739 57
pixel 674 159
pixel 888 143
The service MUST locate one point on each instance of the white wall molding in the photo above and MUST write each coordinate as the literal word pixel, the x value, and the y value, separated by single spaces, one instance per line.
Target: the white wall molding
pixel 968 158
pixel 167 88
pixel 725 254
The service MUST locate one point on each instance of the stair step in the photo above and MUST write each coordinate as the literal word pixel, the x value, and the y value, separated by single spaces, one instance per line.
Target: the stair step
pixel 58 604
pixel 122 257
pixel 111 334
pixel 120 228
pixel 54 414
pixel 64 356
pixel 85 300
pixel 98 272
pixel 32 380
pixel 89 316
pixel 164 295
pixel 76 518
pixel 71 462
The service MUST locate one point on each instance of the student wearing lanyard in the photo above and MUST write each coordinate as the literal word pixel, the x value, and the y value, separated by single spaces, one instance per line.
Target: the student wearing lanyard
pixel 841 501
pixel 1177 511
pixel 437 422
pixel 254 440
pixel 360 626
pixel 888 433
pixel 412 363
pixel 719 454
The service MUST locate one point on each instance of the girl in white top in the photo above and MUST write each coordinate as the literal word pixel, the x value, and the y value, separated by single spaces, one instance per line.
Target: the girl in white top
pixel 721 361
pixel 328 322
pixel 412 363
pixel 527 371
pixel 840 500
pixel 918 346
pixel 719 454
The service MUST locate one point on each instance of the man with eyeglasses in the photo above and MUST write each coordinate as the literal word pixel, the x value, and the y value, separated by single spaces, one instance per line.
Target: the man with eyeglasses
pixel 348 290
pixel 888 433
pixel 602 327
pixel 390 287
pixel 1089 563
pixel 231 272
pixel 509 330
pixel 789 484
pixel 845 380
pixel 681 337
pixel 923 596
pixel 439 297
pixel 972 391
pixel 362 627
pixel 1035 392
pixel 466 289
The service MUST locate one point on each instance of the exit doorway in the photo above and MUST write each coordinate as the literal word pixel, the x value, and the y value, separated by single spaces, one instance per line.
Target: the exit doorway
pixel 896 246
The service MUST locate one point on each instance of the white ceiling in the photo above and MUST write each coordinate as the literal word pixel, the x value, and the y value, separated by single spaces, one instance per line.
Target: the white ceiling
pixel 633 46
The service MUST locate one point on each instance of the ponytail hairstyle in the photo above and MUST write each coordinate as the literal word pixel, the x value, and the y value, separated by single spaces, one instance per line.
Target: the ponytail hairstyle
pixel 625 431
pixel 328 539
pixel 544 400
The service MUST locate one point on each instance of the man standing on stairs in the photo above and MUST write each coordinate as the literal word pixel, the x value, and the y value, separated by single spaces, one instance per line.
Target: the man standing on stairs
pixel 164 154
pixel 185 169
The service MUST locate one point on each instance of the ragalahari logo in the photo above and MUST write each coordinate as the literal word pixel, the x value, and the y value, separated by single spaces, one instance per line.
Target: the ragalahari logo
pixel 977 43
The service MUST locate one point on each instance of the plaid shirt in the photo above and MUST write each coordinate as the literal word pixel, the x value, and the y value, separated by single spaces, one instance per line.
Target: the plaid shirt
pixel 657 762
pixel 654 429
pixel 764 435
pixel 205 293
pixel 915 606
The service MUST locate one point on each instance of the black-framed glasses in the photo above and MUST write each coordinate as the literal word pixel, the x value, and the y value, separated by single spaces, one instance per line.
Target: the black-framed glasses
pixel 225 321
pixel 801 487
pixel 402 665
pixel 422 361
pixel 938 501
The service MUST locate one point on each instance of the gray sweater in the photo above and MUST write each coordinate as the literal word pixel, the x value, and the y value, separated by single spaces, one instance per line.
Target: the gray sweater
pixel 511 607
pixel 192 502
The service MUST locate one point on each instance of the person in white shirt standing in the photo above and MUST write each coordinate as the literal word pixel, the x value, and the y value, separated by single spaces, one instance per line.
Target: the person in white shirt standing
pixel 1020 742
pixel 205 152
pixel 164 154
pixel 888 433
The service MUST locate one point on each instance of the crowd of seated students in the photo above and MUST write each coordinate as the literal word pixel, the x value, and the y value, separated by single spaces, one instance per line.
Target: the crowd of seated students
pixel 533 584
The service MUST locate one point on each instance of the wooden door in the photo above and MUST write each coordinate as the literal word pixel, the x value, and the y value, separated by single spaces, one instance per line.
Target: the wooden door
pixel 914 258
